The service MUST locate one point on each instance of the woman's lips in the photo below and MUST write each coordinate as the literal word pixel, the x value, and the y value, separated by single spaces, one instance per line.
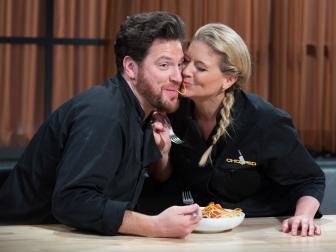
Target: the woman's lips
pixel 186 84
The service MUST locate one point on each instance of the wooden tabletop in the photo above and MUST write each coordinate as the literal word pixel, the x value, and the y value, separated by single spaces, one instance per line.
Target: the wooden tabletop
pixel 254 234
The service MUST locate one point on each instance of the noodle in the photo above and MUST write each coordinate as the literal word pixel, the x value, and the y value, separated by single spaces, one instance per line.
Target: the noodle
pixel 216 211
pixel 183 89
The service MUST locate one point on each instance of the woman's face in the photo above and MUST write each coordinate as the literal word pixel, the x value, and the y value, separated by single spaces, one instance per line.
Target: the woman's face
pixel 202 77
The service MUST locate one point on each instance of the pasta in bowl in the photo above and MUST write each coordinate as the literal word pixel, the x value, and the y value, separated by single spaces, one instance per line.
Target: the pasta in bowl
pixel 218 219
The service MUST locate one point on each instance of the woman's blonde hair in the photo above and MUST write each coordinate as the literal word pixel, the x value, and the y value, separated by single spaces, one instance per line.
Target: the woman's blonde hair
pixel 235 61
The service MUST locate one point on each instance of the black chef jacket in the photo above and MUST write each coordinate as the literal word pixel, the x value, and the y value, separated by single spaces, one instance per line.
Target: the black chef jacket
pixel 261 166
pixel 86 164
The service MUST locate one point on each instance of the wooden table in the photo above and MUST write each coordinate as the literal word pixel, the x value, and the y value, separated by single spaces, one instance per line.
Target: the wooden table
pixel 254 234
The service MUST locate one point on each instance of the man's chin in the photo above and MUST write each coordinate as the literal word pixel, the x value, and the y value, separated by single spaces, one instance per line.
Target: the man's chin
pixel 170 108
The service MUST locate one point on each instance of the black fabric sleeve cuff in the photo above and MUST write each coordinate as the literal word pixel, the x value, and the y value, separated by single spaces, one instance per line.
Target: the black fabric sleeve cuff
pixel 313 192
pixel 113 216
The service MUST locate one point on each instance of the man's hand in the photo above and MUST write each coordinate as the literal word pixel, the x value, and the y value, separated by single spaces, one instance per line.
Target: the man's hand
pixel 174 222
pixel 160 125
pixel 301 223
pixel 177 221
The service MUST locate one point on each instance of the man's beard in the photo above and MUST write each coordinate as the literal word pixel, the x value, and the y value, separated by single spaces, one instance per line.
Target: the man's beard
pixel 156 100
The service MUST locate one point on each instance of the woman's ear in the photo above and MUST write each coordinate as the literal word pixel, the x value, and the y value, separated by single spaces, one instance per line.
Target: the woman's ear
pixel 130 68
pixel 228 81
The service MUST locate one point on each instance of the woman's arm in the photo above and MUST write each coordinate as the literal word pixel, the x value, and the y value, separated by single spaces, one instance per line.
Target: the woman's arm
pixel 293 167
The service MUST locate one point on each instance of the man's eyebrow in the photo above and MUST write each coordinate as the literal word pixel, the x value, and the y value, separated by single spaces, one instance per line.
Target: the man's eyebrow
pixel 168 58
pixel 165 58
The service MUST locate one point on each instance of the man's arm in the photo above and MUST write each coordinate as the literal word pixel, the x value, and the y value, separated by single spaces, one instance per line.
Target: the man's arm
pixel 161 170
pixel 90 160
pixel 176 221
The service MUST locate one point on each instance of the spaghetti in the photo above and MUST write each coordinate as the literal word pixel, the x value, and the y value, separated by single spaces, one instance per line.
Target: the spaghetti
pixel 216 211
pixel 182 90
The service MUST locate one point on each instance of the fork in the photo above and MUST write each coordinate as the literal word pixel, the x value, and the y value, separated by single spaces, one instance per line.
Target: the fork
pixel 188 200
pixel 175 139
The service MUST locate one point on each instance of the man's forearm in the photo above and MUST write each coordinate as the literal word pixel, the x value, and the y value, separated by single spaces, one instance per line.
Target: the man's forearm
pixel 137 224
pixel 175 221
pixel 161 170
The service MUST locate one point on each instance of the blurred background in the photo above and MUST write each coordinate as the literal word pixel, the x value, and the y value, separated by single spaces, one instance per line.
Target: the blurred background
pixel 50 50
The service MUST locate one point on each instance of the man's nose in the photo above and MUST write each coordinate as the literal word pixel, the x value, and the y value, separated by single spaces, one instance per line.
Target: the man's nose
pixel 176 75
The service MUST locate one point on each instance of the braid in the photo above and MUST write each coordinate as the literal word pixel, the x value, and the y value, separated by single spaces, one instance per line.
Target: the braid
pixel 223 125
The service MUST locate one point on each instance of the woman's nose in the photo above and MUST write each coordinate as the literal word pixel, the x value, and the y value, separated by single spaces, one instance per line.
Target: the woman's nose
pixel 186 71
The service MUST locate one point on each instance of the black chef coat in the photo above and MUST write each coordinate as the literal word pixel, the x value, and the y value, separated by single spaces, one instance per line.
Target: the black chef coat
pixel 86 164
pixel 261 166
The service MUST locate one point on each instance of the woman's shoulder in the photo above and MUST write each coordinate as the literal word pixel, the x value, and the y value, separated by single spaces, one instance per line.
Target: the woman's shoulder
pixel 263 111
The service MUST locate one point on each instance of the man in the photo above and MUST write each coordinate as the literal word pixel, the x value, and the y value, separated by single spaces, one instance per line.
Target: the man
pixel 86 165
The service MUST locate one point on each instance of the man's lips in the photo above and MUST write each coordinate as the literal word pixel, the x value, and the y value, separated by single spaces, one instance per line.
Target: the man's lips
pixel 171 91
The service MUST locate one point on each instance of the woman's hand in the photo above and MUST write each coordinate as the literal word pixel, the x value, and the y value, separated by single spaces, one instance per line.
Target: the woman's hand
pixel 301 225
pixel 303 219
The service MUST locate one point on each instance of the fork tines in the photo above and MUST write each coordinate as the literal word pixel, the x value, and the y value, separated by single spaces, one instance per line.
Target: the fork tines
pixel 187 198
pixel 175 139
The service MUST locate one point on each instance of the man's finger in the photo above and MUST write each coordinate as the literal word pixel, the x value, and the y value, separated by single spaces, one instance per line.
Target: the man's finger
pixel 187 209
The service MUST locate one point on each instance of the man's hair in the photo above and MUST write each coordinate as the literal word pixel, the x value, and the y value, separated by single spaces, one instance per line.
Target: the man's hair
pixel 138 32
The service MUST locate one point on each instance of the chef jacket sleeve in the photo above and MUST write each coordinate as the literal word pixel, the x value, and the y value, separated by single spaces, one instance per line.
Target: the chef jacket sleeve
pixel 92 154
pixel 287 162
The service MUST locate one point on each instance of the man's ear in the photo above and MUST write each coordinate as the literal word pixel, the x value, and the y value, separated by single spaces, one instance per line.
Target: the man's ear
pixel 130 68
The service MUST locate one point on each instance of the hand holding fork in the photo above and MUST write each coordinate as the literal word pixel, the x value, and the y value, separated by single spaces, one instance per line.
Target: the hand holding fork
pixel 163 131
pixel 188 200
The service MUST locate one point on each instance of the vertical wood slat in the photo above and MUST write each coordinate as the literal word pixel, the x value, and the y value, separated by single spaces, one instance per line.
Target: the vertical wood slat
pixel 329 106
pixel 5 79
pixel 287 76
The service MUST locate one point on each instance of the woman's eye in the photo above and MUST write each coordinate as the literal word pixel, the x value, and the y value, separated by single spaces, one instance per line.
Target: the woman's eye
pixel 201 69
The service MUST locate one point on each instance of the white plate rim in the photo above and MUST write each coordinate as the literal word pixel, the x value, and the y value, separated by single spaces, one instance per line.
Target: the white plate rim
pixel 219 224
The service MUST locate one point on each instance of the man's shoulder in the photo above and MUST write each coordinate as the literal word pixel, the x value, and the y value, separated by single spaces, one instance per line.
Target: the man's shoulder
pixel 100 100
pixel 100 92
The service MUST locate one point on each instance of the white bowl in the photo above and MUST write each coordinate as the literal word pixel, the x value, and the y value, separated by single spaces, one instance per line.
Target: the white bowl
pixel 212 225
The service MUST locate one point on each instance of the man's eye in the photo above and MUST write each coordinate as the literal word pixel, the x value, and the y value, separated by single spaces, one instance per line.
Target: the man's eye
pixel 163 65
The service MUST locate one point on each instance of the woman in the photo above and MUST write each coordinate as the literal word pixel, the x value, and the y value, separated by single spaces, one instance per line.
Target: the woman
pixel 238 150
